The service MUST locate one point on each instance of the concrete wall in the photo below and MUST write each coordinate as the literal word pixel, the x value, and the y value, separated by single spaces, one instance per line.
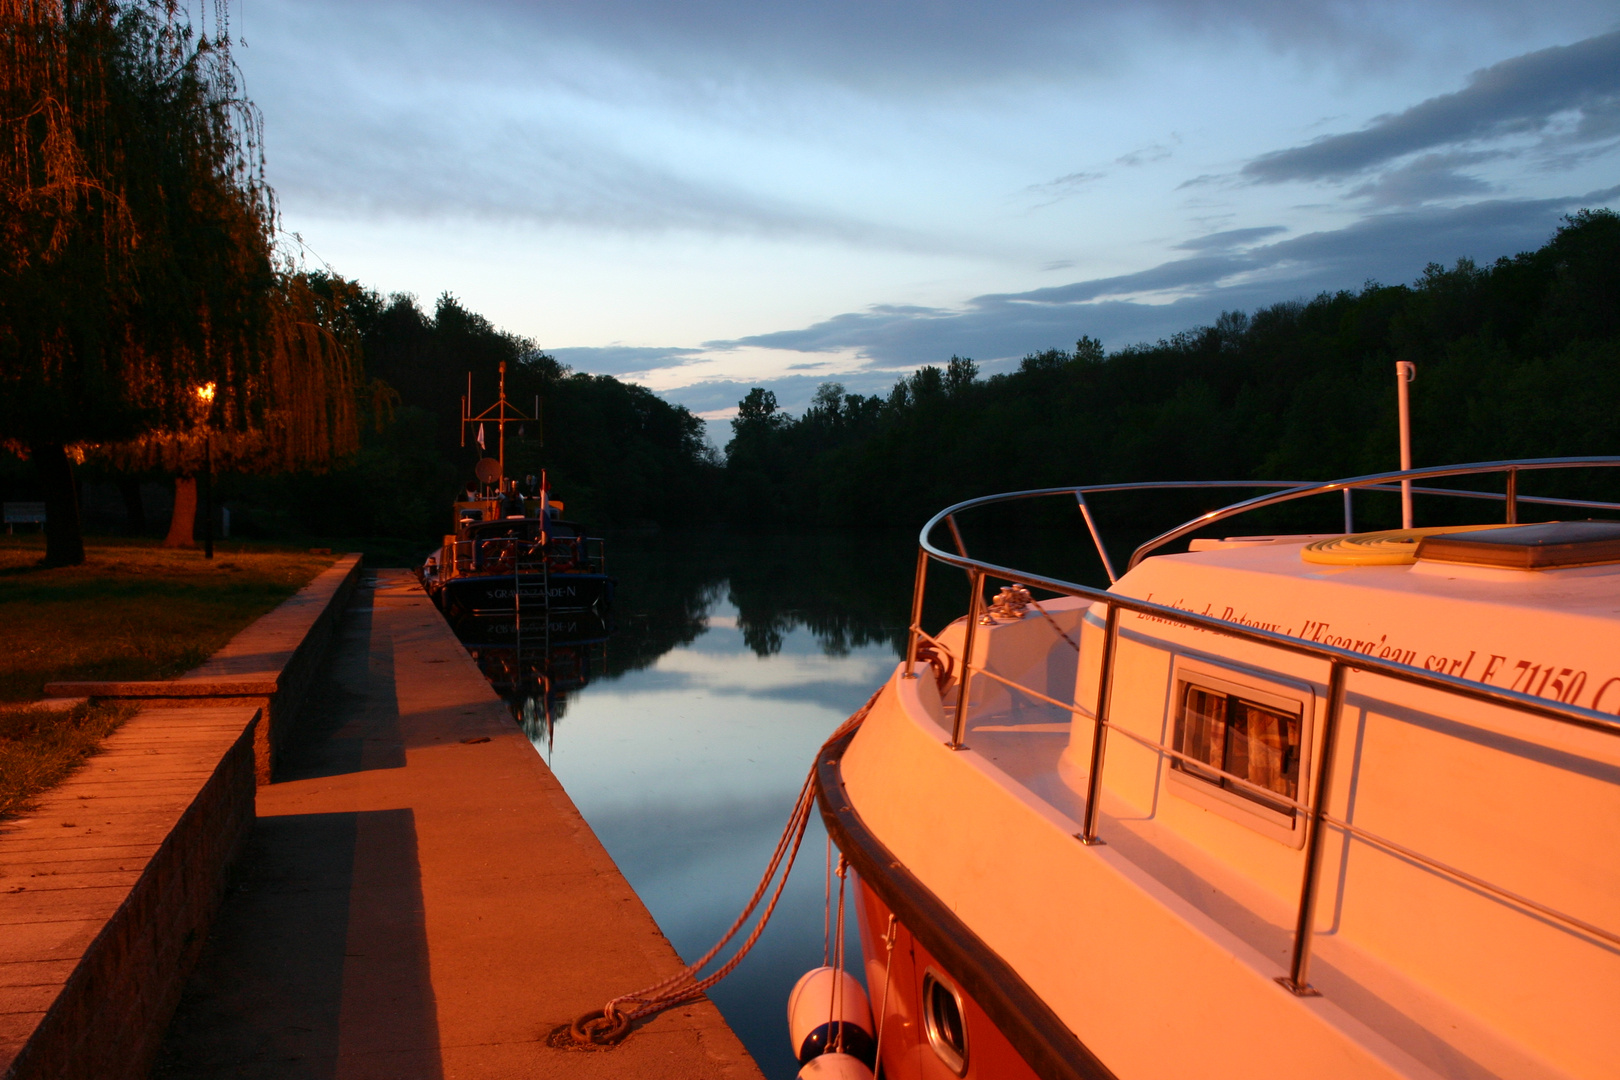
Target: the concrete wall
pixel 108 889
pixel 270 665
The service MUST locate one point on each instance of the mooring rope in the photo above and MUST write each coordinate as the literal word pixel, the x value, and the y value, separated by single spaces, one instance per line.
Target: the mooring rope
pixel 1036 604
pixel 834 1013
pixel 610 1024
pixel 826 909
pixel 889 936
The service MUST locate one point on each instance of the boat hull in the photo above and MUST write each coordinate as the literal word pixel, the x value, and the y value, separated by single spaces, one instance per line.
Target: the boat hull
pixel 476 595
pixel 1011 1032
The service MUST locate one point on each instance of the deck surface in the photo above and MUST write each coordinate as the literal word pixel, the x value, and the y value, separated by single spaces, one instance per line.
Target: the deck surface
pixel 413 905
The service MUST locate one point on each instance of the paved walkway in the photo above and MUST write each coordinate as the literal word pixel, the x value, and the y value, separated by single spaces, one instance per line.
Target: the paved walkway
pixel 415 905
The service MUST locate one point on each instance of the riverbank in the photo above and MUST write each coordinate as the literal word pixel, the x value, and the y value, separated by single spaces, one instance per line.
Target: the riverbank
pixel 132 611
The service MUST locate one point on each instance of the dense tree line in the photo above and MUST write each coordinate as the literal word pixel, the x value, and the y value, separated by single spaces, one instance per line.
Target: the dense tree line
pixel 1517 359
pixel 616 454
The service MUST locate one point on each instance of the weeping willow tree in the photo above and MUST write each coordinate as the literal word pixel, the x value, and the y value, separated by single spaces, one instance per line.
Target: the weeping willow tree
pixel 137 261
pixel 305 397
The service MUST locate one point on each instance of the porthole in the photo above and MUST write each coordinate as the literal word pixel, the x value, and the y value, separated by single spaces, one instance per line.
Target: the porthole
pixel 945 1021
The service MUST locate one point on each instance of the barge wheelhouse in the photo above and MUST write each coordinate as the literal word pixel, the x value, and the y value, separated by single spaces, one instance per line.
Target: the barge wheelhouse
pixel 500 564
pixel 1329 806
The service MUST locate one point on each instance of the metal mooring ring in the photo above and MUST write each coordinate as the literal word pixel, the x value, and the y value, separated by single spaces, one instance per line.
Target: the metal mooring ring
pixel 598 1028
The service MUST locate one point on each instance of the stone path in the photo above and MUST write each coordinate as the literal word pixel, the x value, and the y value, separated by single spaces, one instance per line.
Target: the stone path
pixel 419 897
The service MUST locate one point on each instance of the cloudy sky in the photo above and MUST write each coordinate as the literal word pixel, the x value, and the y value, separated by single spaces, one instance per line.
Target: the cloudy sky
pixel 708 196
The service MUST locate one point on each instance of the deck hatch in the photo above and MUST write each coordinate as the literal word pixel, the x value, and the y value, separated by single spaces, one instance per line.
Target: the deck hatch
pixel 1547 546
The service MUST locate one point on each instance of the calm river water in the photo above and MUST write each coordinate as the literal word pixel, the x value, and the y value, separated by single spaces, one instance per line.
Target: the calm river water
pixel 684 728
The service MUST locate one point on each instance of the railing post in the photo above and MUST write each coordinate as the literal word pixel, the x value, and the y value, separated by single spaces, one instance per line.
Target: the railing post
pixel 1349 514
pixel 975 606
pixel 1405 372
pixel 956 538
pixel 917 588
pixel 1513 496
pixel 1297 979
pixel 1096 537
pixel 1099 731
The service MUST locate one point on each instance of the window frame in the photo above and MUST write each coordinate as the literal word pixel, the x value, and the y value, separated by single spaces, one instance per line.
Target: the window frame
pixel 956 1062
pixel 1268 689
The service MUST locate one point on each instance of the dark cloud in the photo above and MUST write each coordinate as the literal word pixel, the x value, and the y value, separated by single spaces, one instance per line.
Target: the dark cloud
pixel 433 111
pixel 1392 247
pixel 904 44
pixel 1599 122
pixel 1519 95
pixel 622 359
pixel 1053 191
pixel 1424 179
pixel 527 170
pixel 998 329
pixel 1144 156
pixel 1231 238
pixel 1177 274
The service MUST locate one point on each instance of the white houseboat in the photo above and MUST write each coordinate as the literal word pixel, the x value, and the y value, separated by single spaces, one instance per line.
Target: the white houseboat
pixel 1309 806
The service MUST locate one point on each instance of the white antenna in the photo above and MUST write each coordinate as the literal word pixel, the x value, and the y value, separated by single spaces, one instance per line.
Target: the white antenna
pixel 1405 372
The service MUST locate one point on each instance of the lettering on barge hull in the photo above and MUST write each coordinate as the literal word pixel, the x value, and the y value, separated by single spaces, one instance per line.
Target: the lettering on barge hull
pixel 558 592
pixel 1537 676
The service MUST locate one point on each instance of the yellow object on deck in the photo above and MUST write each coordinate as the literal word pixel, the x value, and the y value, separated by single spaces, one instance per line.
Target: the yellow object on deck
pixel 1392 547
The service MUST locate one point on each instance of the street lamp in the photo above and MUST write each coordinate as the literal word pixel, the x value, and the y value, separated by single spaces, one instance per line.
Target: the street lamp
pixel 205 396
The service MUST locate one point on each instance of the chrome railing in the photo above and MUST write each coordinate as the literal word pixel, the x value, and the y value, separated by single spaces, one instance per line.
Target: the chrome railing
pixel 1340 661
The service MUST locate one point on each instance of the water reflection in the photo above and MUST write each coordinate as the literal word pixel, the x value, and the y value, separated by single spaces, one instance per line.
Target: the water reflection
pixel 534 663
pixel 683 726
pixel 692 719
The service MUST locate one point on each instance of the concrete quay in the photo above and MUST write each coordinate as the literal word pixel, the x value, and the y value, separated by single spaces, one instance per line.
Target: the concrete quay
pixel 418 897
pixel 108 887
pixel 270 665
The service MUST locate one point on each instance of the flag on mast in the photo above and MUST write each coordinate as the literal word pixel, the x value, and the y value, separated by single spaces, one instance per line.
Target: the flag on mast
pixel 481 436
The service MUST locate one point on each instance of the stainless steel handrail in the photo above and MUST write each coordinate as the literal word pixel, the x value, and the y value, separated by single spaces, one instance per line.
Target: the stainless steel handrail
pixel 1376 480
pixel 1340 661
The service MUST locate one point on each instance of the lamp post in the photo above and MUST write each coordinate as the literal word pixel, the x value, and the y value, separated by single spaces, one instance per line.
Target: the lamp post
pixel 205 395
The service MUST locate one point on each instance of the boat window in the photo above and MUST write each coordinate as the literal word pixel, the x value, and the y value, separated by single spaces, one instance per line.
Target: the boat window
pixel 1259 743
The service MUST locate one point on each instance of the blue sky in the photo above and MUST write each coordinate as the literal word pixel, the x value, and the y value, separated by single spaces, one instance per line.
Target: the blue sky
pixel 704 197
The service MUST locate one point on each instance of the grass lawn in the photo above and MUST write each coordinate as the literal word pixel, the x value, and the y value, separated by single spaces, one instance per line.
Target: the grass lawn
pixel 132 611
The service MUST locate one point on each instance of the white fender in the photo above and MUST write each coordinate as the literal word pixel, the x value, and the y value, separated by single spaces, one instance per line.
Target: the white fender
pixel 835 1067
pixel 827 1005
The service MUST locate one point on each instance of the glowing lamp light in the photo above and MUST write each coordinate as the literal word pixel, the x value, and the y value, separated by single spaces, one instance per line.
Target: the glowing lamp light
pixel 205 393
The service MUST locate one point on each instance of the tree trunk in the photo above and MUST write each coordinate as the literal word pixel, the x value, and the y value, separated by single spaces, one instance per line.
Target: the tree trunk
pixel 64 540
pixel 183 525
pixel 134 508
